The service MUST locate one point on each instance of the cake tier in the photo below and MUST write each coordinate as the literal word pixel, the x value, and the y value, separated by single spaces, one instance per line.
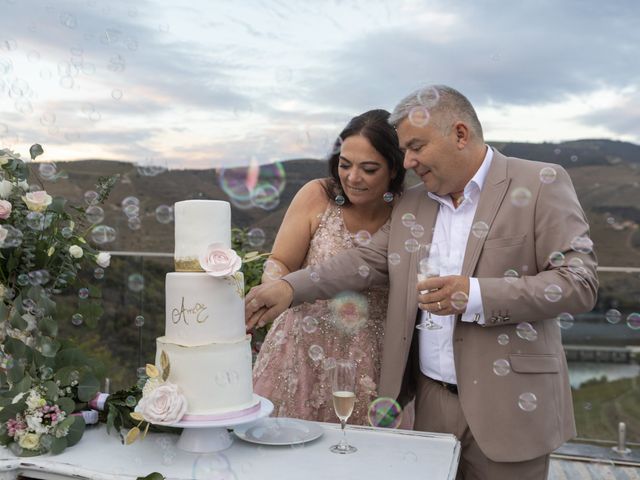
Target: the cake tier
pixel 201 309
pixel 198 224
pixel 215 378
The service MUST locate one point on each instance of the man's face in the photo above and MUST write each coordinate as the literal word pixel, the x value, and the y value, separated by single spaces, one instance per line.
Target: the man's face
pixel 434 156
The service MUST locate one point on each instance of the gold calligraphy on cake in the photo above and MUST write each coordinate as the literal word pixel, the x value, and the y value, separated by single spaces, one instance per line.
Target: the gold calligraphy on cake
pixel 184 314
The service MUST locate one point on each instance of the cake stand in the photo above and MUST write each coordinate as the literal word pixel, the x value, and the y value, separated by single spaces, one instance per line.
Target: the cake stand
pixel 212 435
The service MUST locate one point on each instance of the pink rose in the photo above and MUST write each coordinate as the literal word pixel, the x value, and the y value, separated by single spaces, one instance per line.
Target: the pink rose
pixel 165 405
pixel 218 261
pixel 37 201
pixel 5 209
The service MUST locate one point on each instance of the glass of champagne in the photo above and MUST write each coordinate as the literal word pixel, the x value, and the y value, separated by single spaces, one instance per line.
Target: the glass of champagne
pixel 343 383
pixel 428 263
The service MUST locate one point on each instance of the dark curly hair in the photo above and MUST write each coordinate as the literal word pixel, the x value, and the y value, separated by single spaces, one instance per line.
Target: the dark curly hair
pixel 374 126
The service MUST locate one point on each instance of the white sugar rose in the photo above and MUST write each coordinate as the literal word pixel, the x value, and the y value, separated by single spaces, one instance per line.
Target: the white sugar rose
pixel 219 261
pixel 164 406
pixel 5 209
pixel 6 187
pixel 75 251
pixel 30 441
pixel 37 201
pixel 103 259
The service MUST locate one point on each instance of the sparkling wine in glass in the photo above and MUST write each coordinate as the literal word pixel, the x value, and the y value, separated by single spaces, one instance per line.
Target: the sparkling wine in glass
pixel 343 383
pixel 428 263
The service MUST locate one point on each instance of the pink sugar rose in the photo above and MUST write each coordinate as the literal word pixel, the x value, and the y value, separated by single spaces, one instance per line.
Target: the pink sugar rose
pixel 163 406
pixel 5 209
pixel 219 261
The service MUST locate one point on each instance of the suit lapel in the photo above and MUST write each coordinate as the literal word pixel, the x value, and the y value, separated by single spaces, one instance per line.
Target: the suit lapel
pixel 493 191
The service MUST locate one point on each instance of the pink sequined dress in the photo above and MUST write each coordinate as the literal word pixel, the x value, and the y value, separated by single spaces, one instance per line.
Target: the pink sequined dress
pixel 292 368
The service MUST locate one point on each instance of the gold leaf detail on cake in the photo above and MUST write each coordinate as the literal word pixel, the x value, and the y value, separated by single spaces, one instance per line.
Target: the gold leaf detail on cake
pixel 152 371
pixel 239 280
pixel 166 367
pixel 188 265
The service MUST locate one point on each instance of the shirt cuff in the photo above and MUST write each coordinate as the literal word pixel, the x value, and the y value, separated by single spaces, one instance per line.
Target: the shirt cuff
pixel 474 312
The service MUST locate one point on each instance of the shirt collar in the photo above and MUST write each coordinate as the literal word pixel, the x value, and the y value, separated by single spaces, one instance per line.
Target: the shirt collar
pixel 473 188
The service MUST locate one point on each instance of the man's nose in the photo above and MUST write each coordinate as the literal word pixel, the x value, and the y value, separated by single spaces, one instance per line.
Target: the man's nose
pixel 409 160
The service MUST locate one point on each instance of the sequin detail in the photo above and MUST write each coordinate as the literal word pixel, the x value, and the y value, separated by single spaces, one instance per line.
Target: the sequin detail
pixel 292 368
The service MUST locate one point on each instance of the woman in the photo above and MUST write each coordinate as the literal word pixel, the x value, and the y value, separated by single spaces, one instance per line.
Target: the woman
pixel 325 217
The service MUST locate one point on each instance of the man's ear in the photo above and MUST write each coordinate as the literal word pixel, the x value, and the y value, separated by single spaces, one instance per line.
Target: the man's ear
pixel 462 134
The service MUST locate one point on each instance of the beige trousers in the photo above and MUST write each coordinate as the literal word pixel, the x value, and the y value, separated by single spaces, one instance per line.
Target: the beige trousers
pixel 438 410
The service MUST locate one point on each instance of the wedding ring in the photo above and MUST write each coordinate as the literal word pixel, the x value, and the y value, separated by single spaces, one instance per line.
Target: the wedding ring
pixel 439 306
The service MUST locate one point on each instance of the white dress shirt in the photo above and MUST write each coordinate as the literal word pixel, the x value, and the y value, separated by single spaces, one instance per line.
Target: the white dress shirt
pixel 452 229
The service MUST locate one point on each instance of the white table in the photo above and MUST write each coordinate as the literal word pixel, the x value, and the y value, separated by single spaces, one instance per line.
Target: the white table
pixel 382 454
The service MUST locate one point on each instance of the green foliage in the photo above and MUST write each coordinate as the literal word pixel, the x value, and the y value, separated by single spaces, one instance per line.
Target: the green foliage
pixel 42 252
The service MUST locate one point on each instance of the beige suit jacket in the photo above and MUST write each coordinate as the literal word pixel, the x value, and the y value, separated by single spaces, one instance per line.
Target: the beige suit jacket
pixel 520 238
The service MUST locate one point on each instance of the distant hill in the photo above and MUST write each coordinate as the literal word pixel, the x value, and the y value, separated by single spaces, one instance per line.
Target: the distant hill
pixel 606 175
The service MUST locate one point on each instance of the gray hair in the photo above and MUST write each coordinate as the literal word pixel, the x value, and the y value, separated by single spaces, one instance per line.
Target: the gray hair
pixel 445 105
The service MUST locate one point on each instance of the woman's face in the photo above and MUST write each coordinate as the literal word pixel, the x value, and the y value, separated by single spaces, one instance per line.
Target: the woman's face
pixel 364 173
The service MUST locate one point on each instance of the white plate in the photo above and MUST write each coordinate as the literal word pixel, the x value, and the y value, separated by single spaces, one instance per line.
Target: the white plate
pixel 279 431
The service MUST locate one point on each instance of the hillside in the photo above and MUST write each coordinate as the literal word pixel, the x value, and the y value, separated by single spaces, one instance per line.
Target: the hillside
pixel 606 175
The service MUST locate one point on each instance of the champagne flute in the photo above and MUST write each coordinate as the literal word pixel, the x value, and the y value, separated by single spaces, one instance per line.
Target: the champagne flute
pixel 428 262
pixel 343 383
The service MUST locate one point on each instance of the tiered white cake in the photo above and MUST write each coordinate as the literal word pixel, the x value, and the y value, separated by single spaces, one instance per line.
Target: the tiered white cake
pixel 208 350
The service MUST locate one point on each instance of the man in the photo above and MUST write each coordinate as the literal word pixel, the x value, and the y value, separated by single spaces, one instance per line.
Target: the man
pixel 517 254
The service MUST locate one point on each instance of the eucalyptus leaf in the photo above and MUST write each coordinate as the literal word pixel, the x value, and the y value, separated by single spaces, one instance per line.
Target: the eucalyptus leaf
pixel 152 476
pixel 67 404
pixel 88 386
pixel 58 445
pixel 76 430
pixel 52 390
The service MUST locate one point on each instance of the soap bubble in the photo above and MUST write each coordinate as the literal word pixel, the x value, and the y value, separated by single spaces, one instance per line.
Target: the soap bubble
pixel 131 401
pixel 633 321
pixel 384 412
pixel 548 175
pixel 526 331
pixel 520 197
pixel 131 200
pixel 411 245
pixel 256 237
pixel 417 230
pixel 363 270
pixel 511 276
pixel 556 259
pixel 503 339
pixel 102 234
pixel 77 319
pixel 408 219
pixel 394 258
pixel 131 211
pixel 83 293
pixel 553 293
pixel 613 316
pixel 265 183
pixel 528 402
pixel 582 244
pixel 501 367
pixel 135 282
pixel 480 229
pixel 565 320
pixel 47 171
pixel 13 237
pixel 265 196
pixel 91 197
pixel 98 273
pixel 419 116
pixel 459 300
pixel 316 353
pixel 164 214
pixel 309 324
pixel 362 238
pixel 134 223
pixel 94 214
pixel 139 321
pixel 387 197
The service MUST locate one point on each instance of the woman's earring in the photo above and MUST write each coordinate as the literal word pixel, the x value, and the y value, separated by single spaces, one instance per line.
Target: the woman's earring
pixel 388 197
pixel 339 199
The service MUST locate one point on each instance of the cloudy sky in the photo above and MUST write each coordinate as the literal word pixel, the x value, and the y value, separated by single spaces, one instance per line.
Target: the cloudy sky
pixel 221 83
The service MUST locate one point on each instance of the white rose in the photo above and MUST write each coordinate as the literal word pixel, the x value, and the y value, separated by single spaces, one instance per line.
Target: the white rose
pixel 103 259
pixel 24 185
pixel 218 261
pixel 150 385
pixel 75 251
pixel 164 406
pixel 37 201
pixel 6 188
pixel 30 441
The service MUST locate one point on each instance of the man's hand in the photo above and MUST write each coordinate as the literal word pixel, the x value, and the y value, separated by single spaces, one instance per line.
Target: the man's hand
pixel 265 302
pixel 444 295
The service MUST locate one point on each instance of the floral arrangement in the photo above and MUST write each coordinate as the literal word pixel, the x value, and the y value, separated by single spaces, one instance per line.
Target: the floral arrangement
pixel 162 402
pixel 42 250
